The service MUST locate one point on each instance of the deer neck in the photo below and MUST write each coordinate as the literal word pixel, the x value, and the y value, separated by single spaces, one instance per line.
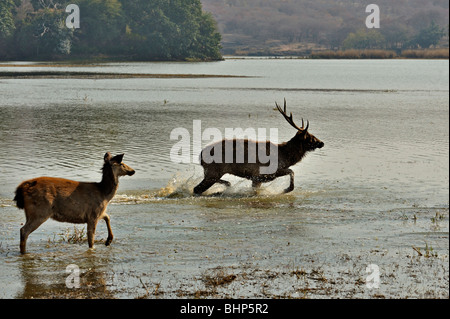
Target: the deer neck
pixel 292 152
pixel 109 183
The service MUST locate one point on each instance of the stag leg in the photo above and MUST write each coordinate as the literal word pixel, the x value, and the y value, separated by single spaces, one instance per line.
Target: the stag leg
pixel 110 234
pixel 291 182
pixel 211 177
pixel 256 183
pixel 205 184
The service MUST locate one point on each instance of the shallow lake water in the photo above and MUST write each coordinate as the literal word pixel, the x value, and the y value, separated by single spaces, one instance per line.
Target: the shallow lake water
pixel 377 193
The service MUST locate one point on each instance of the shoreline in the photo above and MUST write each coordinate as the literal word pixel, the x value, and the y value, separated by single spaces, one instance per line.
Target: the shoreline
pixel 100 75
pixel 350 54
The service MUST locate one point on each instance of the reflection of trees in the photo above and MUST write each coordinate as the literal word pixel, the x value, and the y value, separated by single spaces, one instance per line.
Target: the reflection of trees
pixel 7 25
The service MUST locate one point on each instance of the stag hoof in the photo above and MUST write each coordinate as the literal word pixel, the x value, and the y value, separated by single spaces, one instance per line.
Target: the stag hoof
pixel 288 190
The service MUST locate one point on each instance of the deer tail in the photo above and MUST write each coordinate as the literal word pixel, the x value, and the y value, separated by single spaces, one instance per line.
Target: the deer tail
pixel 20 202
pixel 19 198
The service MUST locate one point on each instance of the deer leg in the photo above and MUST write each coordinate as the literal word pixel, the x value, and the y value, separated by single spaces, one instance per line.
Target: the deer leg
pixel 91 225
pixel 30 226
pixel 110 234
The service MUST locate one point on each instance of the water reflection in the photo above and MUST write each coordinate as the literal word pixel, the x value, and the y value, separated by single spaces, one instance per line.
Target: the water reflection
pixel 44 276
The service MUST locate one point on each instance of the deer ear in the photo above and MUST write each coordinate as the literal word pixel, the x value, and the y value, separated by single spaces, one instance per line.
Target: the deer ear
pixel 117 158
pixel 107 157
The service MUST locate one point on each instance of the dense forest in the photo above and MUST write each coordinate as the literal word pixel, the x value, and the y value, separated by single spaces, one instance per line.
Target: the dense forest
pixel 114 29
pixel 299 26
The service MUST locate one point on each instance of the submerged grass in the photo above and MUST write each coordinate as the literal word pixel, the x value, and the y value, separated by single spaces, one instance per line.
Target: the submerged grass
pixel 73 237
pixel 217 278
pixel 427 251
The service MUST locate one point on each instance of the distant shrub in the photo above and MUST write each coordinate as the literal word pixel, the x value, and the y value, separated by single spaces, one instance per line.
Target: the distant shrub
pixel 354 54
pixel 426 54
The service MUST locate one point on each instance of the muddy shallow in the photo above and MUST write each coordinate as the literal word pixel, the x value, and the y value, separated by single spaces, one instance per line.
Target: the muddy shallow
pixel 234 246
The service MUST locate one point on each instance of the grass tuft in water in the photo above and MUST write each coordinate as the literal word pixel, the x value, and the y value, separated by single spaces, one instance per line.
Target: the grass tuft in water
pixel 73 237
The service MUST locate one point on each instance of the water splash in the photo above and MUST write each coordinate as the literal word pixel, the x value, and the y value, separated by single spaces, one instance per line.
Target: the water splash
pixel 181 185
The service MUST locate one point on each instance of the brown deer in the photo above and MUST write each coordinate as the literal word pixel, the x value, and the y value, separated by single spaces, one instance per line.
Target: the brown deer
pixel 70 201
pixel 243 161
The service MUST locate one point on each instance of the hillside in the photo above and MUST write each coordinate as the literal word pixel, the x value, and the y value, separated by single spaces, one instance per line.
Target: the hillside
pixel 299 26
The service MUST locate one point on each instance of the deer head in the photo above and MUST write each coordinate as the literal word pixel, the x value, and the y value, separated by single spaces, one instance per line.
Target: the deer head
pixel 308 141
pixel 118 167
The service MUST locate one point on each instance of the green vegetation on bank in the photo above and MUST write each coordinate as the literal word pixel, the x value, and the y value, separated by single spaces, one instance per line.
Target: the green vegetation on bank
pixel 109 29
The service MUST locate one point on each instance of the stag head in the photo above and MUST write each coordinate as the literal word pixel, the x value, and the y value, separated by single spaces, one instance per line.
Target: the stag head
pixel 309 141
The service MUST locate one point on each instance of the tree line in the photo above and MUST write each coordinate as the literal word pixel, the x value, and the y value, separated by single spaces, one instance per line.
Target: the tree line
pixel 117 29
pixel 374 39
pixel 331 25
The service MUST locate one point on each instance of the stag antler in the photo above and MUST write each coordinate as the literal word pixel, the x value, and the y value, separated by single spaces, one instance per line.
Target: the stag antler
pixel 290 120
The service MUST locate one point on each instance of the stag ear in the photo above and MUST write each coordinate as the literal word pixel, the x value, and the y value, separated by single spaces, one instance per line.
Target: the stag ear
pixel 107 157
pixel 117 158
